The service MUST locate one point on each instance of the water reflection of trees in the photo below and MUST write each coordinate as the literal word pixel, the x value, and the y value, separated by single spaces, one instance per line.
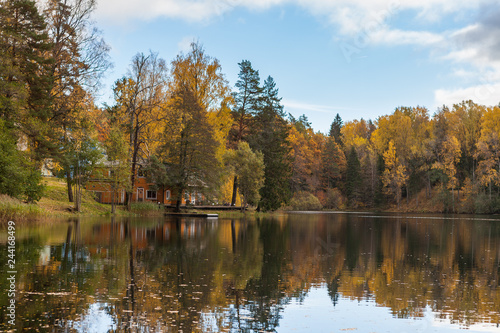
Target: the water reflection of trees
pixel 194 275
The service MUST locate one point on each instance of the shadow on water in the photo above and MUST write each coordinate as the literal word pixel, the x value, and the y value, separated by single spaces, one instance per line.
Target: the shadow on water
pixel 198 275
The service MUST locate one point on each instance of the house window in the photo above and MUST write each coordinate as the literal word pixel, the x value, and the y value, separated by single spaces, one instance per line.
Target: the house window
pixel 167 194
pixel 151 195
pixel 140 172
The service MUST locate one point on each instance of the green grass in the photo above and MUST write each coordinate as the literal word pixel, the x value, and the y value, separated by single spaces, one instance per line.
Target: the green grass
pixel 15 210
pixel 55 203
pixel 145 208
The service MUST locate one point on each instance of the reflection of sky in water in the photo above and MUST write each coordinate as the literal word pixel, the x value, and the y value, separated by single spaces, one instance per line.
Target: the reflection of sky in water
pixel 96 320
pixel 317 314
pixel 304 273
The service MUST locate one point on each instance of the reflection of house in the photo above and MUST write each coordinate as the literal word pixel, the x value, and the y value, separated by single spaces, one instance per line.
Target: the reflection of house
pixel 142 191
pixel 143 237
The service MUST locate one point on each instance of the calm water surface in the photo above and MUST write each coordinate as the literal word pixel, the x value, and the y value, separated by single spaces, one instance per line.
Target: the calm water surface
pixel 292 273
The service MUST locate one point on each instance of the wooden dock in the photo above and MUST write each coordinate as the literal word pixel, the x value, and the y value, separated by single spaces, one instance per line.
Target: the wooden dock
pixel 207 216
pixel 219 208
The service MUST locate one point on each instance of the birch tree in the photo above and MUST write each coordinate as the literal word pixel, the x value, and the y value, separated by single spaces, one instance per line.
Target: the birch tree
pixel 141 104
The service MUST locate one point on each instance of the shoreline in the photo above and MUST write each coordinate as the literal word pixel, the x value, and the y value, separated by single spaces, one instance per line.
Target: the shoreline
pixel 55 205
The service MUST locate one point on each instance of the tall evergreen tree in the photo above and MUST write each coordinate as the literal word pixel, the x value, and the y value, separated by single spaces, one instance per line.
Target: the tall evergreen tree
pixel 247 100
pixel 333 164
pixel 25 79
pixel 379 197
pixel 353 179
pixel 336 130
pixel 270 137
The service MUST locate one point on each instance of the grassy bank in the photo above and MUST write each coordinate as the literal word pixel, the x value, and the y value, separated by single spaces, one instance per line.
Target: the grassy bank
pixel 55 204
pixel 15 210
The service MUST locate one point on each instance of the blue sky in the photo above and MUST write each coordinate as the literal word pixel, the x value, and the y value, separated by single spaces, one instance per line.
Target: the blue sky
pixel 358 58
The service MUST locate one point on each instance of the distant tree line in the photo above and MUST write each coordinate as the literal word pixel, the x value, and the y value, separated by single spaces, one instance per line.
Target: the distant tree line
pixel 184 126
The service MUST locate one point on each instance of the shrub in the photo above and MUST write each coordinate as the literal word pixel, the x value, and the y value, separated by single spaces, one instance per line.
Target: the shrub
pixel 334 199
pixel 485 205
pixel 145 206
pixel 305 201
pixel 14 209
pixel 443 198
pixel 469 196
pixel 19 177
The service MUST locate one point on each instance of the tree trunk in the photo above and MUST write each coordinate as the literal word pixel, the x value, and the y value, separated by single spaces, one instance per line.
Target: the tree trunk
pixel 235 190
pixel 179 201
pixel 490 191
pixel 453 199
pixel 113 202
pixel 408 195
pixel 135 147
pixel 78 195
pixel 163 196
pixel 70 189
pixel 474 171
pixel 398 197
pixel 429 185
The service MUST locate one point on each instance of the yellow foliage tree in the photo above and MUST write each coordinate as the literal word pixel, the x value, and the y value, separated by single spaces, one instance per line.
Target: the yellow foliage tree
pixel 394 176
pixel 488 149
pixel 202 75
pixel 140 108
pixel 357 134
pixel 449 157
pixel 306 151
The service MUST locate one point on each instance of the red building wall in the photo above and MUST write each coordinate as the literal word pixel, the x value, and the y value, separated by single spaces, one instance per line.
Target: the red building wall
pixel 142 192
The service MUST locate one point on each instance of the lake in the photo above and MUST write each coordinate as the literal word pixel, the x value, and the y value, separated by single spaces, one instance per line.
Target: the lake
pixel 326 272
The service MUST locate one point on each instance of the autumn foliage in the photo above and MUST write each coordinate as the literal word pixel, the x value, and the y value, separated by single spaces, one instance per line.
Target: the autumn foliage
pixel 201 134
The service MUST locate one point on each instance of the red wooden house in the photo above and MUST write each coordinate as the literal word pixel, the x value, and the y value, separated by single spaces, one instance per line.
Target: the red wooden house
pixel 142 191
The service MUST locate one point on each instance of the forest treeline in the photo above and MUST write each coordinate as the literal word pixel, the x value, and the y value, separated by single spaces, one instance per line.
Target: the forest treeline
pixel 187 129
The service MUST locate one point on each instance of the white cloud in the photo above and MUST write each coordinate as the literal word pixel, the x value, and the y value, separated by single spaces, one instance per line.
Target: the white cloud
pixel 485 94
pixel 122 11
pixel 360 23
pixel 185 44
pixel 349 14
pixel 303 107
pixel 401 37
pixel 475 46
pixel 357 21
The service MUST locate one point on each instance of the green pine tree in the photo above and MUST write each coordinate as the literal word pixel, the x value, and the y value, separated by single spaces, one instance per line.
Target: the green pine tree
pixel 353 185
pixel 19 178
pixel 379 199
pixel 336 130
pixel 270 137
pixel 247 100
pixel 25 79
